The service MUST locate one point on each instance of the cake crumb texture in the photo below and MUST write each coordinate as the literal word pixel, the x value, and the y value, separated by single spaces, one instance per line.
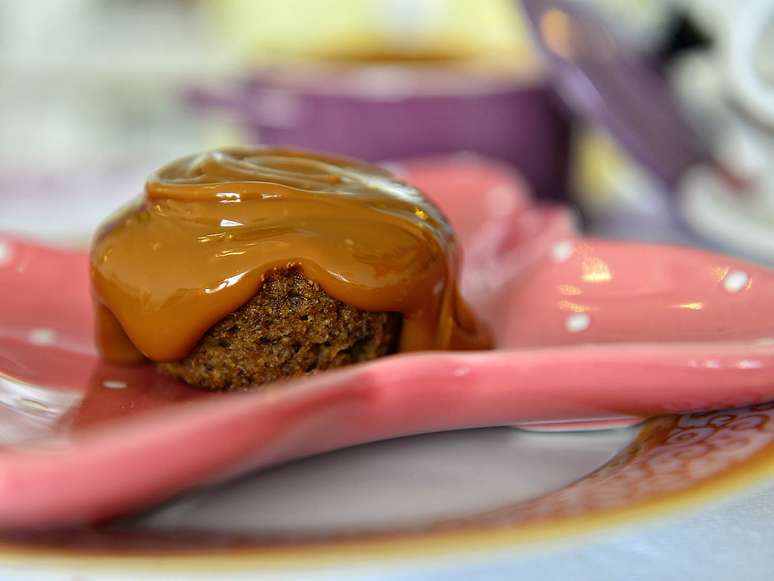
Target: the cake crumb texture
pixel 291 327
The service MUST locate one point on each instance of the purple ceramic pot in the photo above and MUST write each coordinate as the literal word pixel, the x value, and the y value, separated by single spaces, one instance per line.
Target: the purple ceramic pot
pixel 378 112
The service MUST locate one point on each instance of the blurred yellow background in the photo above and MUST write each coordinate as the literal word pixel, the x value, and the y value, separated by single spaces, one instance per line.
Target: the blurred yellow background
pixel 97 80
pixel 259 29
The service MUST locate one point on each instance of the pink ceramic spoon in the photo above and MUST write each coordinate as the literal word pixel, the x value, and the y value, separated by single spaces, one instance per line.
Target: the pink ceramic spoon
pixel 586 330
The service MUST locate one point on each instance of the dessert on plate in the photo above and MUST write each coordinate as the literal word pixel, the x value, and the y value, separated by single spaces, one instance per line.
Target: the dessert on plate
pixel 245 265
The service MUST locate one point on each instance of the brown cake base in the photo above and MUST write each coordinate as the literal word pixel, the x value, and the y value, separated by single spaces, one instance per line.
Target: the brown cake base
pixel 291 327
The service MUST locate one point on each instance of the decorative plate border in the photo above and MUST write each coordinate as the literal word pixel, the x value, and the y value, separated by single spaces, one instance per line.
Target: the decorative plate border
pixel 673 464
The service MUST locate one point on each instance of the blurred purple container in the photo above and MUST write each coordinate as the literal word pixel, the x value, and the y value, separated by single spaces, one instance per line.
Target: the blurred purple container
pixel 377 112
pixel 607 80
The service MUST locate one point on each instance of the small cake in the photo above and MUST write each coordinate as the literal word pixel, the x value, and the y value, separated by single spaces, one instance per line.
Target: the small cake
pixel 246 265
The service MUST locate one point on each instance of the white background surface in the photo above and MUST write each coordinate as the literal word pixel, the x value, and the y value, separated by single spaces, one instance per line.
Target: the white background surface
pixel 733 541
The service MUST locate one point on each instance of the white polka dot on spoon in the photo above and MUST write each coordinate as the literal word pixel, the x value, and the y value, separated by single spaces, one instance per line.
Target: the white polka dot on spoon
pixel 577 322
pixel 42 336
pixel 114 384
pixel 735 281
pixel 6 253
pixel 562 251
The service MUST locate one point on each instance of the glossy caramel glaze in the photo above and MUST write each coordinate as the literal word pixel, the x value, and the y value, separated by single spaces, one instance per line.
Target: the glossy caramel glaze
pixel 210 227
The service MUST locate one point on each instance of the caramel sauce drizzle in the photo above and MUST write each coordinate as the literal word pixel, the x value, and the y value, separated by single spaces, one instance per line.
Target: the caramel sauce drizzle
pixel 210 227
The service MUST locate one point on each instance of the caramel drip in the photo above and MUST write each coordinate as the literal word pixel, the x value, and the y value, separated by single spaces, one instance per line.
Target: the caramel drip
pixel 210 227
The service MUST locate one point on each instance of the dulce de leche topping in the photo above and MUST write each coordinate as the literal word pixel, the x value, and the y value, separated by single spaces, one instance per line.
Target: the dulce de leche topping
pixel 210 227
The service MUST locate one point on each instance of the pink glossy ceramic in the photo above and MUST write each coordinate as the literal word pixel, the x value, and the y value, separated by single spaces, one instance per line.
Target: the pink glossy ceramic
pixel 586 330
